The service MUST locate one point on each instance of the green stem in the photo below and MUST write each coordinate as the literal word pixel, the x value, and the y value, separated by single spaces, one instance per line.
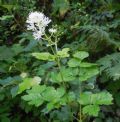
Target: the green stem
pixel 55 53
pixel 80 112
pixel 50 41
pixel 58 62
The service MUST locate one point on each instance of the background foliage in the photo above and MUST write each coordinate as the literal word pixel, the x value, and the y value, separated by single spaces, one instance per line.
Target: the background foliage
pixel 89 25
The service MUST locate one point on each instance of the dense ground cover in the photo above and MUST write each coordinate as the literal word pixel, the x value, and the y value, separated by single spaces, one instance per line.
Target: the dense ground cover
pixel 59 60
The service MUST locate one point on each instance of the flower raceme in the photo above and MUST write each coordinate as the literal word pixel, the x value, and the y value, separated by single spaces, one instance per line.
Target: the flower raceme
pixel 37 22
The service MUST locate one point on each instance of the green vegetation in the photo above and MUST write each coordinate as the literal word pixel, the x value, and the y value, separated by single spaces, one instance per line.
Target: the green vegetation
pixel 59 61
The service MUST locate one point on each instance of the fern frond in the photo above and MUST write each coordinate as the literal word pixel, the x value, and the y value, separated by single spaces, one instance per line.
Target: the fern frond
pixel 97 38
pixel 110 64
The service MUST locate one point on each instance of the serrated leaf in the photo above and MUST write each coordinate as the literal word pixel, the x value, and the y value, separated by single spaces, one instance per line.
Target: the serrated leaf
pixel 41 93
pixel 103 98
pixel 110 65
pixel 34 96
pixel 65 75
pixel 91 110
pixel 33 99
pixel 53 95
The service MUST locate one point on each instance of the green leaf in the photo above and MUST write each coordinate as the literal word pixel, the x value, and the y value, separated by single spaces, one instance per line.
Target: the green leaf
pixel 61 5
pixel 44 56
pixel 14 91
pixel 6 53
pixel 33 99
pixel 41 93
pixel 28 83
pixel 86 73
pixel 34 96
pixel 17 48
pixel 103 98
pixel 32 44
pixel 65 74
pixel 63 53
pixel 91 110
pixel 53 95
pixel 50 94
pixel 81 55
pixel 74 62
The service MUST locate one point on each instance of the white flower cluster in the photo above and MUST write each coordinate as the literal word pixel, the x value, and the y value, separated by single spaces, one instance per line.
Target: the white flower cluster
pixel 37 22
pixel 51 30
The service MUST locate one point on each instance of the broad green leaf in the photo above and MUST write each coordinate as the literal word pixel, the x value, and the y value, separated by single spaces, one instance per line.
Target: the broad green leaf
pixel 44 56
pixel 34 96
pixel 86 73
pixel 53 95
pixel 91 110
pixel 81 55
pixel 103 98
pixel 60 91
pixel 63 53
pixel 50 94
pixel 55 77
pixel 65 74
pixel 41 93
pixel 50 106
pixel 33 99
pixel 28 83
pixel 37 89
pixel 74 62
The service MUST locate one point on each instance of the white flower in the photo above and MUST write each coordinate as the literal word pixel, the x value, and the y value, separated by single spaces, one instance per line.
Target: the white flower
pixel 51 30
pixel 37 35
pixel 37 22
